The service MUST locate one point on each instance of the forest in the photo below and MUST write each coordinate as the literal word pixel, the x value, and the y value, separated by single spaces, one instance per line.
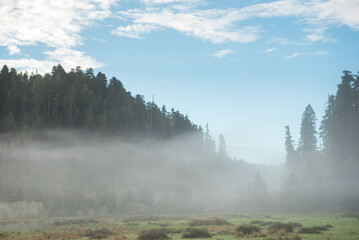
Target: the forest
pixel 76 144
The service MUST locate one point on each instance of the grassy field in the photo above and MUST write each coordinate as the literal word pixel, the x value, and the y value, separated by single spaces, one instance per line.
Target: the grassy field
pixel 292 227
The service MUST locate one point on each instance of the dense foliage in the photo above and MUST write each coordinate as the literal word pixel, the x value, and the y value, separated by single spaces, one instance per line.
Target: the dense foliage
pixel 79 99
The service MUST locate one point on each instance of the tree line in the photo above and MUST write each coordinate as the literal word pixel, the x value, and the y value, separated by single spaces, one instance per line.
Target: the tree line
pixel 82 100
pixel 338 136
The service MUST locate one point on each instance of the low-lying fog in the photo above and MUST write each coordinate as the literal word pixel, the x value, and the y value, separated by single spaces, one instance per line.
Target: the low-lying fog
pixel 72 173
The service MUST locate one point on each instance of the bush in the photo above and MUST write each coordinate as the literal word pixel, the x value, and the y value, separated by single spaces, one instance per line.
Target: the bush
pixel 103 232
pixel 283 227
pixel 206 222
pixel 247 229
pixel 154 234
pixel 196 233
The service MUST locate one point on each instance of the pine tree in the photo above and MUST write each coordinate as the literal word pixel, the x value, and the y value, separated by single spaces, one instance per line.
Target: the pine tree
pixel 291 153
pixel 344 118
pixel 222 149
pixel 209 143
pixel 308 133
pixel 327 124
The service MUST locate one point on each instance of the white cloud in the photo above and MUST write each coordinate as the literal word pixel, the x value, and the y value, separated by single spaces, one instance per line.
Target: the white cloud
pixel 269 50
pixel 220 25
pixel 13 49
pixel 28 64
pixel 223 53
pixel 151 2
pixel 315 37
pixel 296 54
pixel 133 31
pixel 70 58
pixel 56 24
pixel 213 25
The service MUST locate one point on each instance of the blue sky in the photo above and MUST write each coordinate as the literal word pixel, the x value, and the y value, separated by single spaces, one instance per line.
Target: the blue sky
pixel 247 68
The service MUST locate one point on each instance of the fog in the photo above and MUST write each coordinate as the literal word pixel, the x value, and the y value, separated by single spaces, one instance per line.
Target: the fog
pixel 76 173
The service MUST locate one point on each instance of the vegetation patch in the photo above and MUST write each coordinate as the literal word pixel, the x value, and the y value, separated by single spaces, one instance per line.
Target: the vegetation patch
pixel 315 229
pixel 206 222
pixel 283 227
pixel 103 232
pixel 196 233
pixel 154 234
pixel 3 235
pixel 247 230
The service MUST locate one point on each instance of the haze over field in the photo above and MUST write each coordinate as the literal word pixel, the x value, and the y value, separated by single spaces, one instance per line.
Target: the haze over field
pixel 117 107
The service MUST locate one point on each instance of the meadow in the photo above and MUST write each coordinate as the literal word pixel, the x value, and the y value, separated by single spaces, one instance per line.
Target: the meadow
pixel 224 227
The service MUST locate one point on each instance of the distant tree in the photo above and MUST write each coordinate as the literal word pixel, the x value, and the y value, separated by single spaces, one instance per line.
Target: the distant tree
pixel 326 129
pixel 222 149
pixel 291 153
pixel 209 143
pixel 308 133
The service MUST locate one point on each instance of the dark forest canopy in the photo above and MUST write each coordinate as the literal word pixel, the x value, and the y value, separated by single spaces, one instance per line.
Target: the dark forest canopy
pixel 82 100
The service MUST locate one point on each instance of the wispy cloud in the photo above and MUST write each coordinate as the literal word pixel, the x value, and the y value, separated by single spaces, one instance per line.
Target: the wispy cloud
pixel 269 50
pixel 223 53
pixel 222 25
pixel 151 2
pixel 296 54
pixel 213 25
pixel 134 31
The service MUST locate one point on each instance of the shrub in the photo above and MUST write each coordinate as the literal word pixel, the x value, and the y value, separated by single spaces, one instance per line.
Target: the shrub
pixel 283 227
pixel 103 232
pixel 154 234
pixel 247 229
pixel 196 233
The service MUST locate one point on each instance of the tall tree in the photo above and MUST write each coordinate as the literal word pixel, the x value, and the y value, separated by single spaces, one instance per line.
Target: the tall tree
pixel 291 153
pixel 327 125
pixel 308 133
pixel 209 143
pixel 222 148
pixel 344 118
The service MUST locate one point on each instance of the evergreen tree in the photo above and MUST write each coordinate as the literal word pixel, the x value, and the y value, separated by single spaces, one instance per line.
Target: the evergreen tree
pixel 222 149
pixel 327 124
pixel 308 133
pixel 209 143
pixel 291 153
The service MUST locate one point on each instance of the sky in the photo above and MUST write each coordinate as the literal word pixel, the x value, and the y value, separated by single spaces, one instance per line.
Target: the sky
pixel 247 68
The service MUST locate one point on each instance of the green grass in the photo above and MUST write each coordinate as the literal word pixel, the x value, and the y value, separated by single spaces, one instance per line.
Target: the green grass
pixel 344 228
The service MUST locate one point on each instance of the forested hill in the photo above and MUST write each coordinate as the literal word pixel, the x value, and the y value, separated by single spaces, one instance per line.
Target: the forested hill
pixel 79 99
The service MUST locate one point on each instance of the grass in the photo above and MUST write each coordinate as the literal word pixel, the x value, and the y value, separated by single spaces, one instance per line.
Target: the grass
pixel 227 227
